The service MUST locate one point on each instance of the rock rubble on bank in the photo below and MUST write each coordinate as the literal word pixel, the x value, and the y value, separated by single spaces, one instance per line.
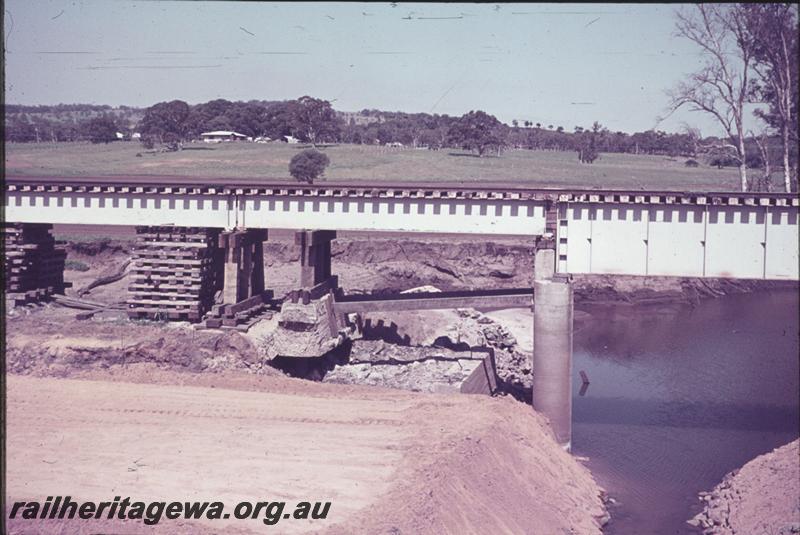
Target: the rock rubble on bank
pixel 761 497
pixel 432 351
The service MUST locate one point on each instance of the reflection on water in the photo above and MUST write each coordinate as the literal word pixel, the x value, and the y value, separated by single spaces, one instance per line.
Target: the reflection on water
pixel 680 396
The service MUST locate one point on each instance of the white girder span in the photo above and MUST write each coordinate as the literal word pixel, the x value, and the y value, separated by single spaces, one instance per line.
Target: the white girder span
pixel 736 235
pixel 749 242
pixel 468 216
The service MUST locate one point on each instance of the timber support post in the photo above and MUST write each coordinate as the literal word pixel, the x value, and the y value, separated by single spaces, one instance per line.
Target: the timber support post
pixel 552 346
pixel 315 256
pixel 243 269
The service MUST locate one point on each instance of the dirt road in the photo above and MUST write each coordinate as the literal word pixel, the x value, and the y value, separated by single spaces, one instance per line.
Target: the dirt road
pixel 388 461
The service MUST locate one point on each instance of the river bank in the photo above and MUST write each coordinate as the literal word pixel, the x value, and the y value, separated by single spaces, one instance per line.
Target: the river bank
pixel 763 496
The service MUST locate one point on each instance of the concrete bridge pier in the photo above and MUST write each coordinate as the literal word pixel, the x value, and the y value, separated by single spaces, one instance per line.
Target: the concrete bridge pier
pixel 243 268
pixel 552 346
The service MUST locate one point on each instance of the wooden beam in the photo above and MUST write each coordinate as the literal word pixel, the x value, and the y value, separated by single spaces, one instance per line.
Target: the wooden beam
pixel 511 298
pixel 313 237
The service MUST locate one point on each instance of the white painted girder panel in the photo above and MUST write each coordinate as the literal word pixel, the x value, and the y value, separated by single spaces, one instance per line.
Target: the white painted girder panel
pixel 513 217
pixel 783 244
pixel 675 238
pixel 119 209
pixel 735 242
pixel 619 234
pixel 403 215
pixel 579 238
pixel 681 240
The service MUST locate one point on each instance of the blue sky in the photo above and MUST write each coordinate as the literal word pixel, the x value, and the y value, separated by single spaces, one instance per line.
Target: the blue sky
pixel 559 64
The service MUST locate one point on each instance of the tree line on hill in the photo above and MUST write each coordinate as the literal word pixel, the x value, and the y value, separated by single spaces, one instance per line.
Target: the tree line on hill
pixel 64 122
pixel 314 121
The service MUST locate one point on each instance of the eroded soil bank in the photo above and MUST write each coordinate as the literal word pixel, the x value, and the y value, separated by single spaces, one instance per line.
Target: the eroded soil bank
pixel 761 497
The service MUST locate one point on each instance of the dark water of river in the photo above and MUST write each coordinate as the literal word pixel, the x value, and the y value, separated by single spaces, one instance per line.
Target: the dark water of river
pixel 680 396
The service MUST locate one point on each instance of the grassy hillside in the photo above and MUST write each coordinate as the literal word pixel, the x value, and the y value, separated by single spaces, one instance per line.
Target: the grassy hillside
pixel 370 164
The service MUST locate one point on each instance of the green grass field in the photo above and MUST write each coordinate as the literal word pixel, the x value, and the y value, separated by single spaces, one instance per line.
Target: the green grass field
pixel 370 164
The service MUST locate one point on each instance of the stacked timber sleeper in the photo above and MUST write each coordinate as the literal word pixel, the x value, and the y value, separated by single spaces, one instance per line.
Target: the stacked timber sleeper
pixel 175 274
pixel 33 262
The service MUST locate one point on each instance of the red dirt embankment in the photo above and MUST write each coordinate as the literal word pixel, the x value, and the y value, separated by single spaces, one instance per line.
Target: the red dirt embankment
pixel 389 461
pixel 761 497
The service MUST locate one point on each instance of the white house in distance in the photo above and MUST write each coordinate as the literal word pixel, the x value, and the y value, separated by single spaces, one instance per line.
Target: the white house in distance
pixel 219 136
pixel 291 139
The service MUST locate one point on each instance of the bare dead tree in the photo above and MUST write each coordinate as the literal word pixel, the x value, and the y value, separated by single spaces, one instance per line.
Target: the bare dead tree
pixel 773 30
pixel 720 86
pixel 762 142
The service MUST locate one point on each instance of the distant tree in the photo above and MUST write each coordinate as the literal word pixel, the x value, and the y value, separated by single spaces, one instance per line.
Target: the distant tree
pixel 308 165
pixel 693 135
pixel 384 134
pixel 247 118
pixel 279 119
pixel 515 123
pixel 100 130
pixel 208 116
pixel 18 129
pixel 315 120
pixel 722 155
pixel 166 122
pixel 587 148
pixel 478 131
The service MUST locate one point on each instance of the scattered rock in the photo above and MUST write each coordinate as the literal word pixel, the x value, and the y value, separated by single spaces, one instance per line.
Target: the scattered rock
pixel 761 497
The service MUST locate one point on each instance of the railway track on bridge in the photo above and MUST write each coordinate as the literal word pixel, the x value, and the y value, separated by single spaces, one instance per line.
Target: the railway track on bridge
pixel 420 190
